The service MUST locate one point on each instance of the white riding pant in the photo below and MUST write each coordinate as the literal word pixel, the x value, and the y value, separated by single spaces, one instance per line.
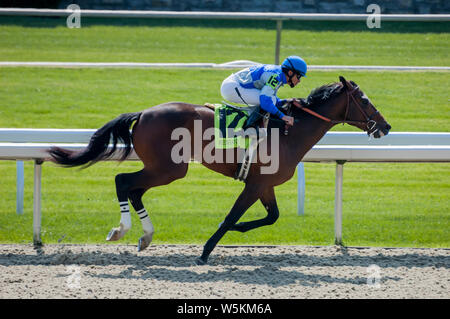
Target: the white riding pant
pixel 248 96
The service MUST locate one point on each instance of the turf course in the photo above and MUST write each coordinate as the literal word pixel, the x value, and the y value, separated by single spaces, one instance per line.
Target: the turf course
pixel 384 204
pixel 218 41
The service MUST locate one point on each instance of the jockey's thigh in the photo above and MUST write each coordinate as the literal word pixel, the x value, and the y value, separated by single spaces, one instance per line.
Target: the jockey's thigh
pixel 228 91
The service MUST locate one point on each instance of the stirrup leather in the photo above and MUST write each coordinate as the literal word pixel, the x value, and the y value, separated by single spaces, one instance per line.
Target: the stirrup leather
pixel 244 167
pixel 261 134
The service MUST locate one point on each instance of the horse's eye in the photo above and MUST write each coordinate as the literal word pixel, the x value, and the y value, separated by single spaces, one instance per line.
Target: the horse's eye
pixel 365 101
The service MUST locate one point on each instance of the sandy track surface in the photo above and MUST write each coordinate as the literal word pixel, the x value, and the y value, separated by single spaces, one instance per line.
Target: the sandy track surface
pixel 168 271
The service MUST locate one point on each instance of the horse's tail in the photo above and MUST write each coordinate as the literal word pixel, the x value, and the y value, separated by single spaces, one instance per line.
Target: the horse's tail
pixel 97 149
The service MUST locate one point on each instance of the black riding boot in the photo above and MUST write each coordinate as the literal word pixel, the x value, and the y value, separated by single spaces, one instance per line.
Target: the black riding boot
pixel 252 119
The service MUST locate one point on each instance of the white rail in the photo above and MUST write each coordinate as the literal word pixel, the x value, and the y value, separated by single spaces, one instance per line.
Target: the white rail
pixel 339 147
pixel 222 15
pixel 227 65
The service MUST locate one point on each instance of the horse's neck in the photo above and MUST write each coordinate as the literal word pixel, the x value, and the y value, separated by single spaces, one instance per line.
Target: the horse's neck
pixel 307 137
pixel 310 130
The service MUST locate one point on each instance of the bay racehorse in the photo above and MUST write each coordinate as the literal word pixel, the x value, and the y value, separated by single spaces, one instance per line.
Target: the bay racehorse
pixel 151 137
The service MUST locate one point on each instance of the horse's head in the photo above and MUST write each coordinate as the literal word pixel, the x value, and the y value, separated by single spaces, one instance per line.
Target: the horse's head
pixel 360 112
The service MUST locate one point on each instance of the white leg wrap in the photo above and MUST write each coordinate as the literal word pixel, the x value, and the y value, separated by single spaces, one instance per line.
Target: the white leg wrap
pixel 125 217
pixel 146 222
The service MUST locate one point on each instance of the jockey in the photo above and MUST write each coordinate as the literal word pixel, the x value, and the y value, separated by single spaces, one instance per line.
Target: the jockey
pixel 258 85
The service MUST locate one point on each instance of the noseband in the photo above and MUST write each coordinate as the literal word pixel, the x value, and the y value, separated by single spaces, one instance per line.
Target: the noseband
pixel 369 122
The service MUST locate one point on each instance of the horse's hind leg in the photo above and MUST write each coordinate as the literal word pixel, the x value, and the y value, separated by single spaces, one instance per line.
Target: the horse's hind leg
pixel 133 186
pixel 124 184
pixel 136 200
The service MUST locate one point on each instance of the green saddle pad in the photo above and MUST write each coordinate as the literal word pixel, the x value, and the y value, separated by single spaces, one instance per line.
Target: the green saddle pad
pixel 229 120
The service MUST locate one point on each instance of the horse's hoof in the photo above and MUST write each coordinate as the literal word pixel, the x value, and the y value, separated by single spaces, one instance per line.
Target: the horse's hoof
pixel 201 262
pixel 144 241
pixel 114 235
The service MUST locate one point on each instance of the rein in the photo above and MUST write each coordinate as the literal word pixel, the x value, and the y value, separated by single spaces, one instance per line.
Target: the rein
pixel 369 122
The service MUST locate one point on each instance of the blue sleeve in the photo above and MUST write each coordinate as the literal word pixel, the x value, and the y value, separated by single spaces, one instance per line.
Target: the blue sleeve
pixel 280 103
pixel 268 98
pixel 268 106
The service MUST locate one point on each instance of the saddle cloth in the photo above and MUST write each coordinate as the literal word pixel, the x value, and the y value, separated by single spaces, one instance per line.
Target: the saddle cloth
pixel 228 127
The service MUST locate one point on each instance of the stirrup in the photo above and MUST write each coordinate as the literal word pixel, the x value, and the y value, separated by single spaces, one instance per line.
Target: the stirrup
pixel 244 167
pixel 261 134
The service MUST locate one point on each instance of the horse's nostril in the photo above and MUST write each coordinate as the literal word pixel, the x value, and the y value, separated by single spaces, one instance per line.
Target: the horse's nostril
pixel 388 127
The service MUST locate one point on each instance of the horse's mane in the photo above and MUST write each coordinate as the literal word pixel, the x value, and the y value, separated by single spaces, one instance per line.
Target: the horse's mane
pixel 323 93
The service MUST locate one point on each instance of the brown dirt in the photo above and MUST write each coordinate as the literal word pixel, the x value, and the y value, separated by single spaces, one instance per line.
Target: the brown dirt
pixel 168 271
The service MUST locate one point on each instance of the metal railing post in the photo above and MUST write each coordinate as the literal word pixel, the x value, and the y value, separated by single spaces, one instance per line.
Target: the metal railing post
pixel 20 184
pixel 338 202
pixel 300 189
pixel 37 202
pixel 278 41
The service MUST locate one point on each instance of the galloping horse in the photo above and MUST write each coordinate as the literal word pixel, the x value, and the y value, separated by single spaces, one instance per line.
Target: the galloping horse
pixel 326 106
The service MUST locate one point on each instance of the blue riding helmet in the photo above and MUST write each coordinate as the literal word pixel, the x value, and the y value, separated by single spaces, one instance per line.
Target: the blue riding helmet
pixel 296 64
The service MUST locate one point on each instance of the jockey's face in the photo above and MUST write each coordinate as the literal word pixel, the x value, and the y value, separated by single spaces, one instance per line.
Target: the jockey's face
pixel 292 78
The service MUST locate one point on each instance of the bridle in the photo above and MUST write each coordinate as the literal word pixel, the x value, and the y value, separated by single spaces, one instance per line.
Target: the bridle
pixel 369 122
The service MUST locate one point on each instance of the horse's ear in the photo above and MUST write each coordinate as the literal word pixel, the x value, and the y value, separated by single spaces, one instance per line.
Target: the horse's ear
pixel 343 81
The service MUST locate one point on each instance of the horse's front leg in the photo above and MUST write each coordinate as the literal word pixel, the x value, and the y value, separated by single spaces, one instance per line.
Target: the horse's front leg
pixel 270 203
pixel 247 198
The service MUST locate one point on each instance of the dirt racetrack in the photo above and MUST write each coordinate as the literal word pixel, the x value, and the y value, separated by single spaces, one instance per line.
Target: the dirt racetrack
pixel 168 271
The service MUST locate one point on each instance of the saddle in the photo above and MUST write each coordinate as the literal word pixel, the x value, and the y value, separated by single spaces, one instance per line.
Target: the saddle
pixel 230 117
pixel 258 119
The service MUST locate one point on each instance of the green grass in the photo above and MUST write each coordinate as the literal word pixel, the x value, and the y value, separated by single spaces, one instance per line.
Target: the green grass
pixel 384 204
pixel 169 40
pixel 411 101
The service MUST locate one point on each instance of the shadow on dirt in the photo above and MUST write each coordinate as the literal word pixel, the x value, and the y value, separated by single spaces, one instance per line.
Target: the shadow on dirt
pixel 275 270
